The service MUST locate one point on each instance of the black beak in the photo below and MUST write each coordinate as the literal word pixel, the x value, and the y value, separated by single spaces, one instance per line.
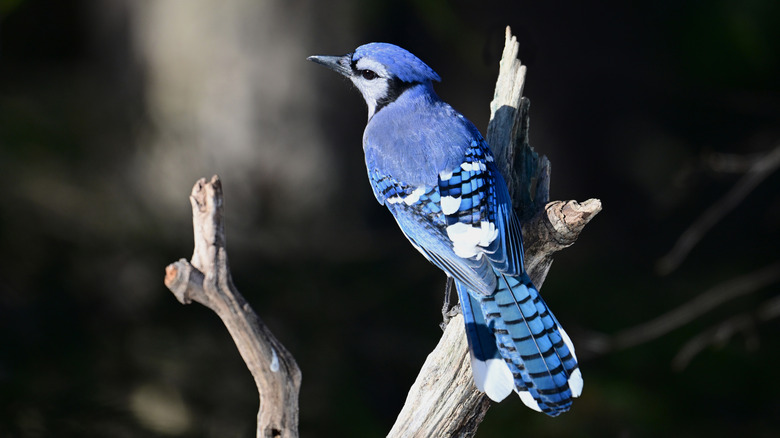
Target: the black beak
pixel 339 64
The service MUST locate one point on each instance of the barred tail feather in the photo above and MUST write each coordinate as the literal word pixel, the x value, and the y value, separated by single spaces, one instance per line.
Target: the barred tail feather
pixel 491 374
pixel 566 351
pixel 537 352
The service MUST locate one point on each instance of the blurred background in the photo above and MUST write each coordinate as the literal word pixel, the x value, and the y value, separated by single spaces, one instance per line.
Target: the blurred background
pixel 110 110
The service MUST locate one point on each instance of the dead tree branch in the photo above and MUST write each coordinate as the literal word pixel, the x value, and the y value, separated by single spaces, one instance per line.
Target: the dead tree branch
pixel 757 171
pixel 206 279
pixel 721 333
pixel 443 400
pixel 686 313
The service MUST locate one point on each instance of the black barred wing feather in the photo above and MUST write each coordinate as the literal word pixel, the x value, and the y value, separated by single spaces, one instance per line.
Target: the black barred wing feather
pixel 417 209
pixel 478 212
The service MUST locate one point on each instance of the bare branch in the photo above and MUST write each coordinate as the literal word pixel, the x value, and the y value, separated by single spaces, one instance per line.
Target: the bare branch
pixel 552 229
pixel 759 170
pixel 207 280
pixel 731 163
pixel 443 400
pixel 687 312
pixel 721 333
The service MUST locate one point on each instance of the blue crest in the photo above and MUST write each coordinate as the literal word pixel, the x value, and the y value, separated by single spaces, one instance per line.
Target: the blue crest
pixel 400 62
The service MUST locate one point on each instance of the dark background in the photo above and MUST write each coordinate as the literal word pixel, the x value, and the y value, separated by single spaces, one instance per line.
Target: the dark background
pixel 109 112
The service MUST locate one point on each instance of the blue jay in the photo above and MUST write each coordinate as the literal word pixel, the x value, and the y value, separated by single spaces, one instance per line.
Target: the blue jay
pixel 436 174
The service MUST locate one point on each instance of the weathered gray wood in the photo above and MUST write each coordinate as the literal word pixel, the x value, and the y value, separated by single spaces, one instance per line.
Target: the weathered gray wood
pixel 206 279
pixel 443 401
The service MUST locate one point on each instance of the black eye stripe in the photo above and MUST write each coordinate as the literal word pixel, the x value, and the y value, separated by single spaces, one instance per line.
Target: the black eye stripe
pixel 353 62
pixel 396 87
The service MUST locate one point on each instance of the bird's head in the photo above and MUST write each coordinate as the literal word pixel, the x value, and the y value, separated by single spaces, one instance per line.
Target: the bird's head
pixel 380 71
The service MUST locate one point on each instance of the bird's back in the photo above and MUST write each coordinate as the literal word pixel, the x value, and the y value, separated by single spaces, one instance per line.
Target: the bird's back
pixel 416 137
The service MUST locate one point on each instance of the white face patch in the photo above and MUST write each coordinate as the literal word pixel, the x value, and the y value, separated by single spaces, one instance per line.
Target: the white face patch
pixel 370 64
pixel 372 90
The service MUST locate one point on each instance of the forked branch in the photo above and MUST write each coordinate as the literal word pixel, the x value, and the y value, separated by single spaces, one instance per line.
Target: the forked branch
pixel 206 279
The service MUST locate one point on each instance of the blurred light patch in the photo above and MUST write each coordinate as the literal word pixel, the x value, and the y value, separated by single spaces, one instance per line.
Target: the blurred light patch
pixel 31 423
pixel 160 408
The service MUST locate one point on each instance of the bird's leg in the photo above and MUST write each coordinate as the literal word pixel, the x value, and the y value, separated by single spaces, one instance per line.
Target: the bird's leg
pixel 448 313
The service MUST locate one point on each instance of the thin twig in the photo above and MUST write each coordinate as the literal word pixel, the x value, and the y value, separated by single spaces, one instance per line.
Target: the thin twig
pixel 721 333
pixel 684 314
pixel 758 171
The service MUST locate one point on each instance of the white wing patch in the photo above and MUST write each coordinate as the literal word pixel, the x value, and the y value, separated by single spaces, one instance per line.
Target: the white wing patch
pixel 450 204
pixel 471 225
pixel 409 199
pixel 473 167
pixel 414 196
pixel 468 241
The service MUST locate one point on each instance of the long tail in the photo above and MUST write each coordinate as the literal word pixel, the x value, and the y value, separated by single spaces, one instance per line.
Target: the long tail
pixel 517 344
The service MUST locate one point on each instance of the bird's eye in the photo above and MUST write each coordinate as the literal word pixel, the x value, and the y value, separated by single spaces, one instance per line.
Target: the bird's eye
pixel 368 74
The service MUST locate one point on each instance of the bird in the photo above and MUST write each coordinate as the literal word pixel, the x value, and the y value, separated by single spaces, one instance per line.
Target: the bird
pixel 436 174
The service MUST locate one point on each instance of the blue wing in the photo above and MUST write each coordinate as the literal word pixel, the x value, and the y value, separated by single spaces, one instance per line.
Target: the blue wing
pixel 474 196
pixel 417 210
pixel 465 224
